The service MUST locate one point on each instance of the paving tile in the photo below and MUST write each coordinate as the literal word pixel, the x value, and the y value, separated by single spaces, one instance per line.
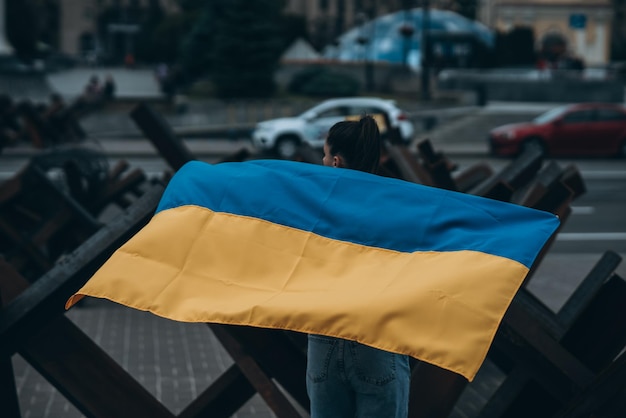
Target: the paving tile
pixel 174 361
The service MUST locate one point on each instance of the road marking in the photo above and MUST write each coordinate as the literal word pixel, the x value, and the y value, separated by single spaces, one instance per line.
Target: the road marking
pixel 603 174
pixel 583 210
pixel 591 236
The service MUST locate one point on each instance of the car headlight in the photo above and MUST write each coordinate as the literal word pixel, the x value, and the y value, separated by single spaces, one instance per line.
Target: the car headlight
pixel 509 134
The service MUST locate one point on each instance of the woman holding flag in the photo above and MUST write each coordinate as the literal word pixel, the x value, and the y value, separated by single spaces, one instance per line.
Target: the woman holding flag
pixel 346 378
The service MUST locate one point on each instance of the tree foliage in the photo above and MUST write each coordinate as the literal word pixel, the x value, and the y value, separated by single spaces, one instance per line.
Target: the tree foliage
pixel 22 27
pixel 516 47
pixel 191 6
pixel 159 38
pixel 196 49
pixel 238 44
pixel 319 81
pixel 467 8
pixel 292 28
pixel 145 46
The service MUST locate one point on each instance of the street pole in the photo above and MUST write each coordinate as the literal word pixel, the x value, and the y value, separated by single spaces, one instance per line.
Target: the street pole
pixel 425 55
pixel 5 48
pixel 369 65
pixel 406 31
pixel 365 40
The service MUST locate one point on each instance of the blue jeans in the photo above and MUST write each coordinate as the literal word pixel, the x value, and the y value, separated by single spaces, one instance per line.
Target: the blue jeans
pixel 346 379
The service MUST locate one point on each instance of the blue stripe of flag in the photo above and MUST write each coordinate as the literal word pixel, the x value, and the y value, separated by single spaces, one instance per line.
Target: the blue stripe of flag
pixel 361 208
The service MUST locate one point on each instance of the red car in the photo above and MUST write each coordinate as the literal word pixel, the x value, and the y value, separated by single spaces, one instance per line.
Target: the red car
pixel 584 129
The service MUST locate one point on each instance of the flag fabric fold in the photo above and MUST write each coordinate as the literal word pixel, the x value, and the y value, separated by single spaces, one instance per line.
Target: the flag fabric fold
pixel 395 265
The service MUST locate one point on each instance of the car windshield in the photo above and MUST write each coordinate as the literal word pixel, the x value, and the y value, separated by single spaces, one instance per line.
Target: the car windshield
pixel 550 114
pixel 309 114
pixel 312 112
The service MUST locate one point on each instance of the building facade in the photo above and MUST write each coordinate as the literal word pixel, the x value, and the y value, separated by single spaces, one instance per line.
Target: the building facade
pixel 328 19
pixel 587 25
pixel 78 21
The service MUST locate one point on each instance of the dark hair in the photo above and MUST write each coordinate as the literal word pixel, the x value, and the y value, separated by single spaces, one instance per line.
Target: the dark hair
pixel 357 142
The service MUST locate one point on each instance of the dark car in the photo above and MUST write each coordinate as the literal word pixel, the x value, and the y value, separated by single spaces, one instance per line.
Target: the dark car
pixel 584 129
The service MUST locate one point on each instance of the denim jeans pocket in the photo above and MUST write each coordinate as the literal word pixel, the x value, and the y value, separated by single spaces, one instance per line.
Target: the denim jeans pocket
pixel 372 365
pixel 319 353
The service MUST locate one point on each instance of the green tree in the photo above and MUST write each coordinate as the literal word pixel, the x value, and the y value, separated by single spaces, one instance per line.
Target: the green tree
pixel 292 28
pixel 618 35
pixel 197 45
pixel 467 8
pixel 246 46
pixel 160 37
pixel 22 27
pixel 146 50
pixel 191 6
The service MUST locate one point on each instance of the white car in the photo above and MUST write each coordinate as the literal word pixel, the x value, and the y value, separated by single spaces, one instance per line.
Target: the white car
pixel 284 135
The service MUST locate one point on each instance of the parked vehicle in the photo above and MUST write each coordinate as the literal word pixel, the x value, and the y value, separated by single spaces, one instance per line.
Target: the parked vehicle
pixel 583 129
pixel 284 135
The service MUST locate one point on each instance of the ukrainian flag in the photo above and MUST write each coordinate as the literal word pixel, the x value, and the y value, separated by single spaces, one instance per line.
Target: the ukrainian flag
pixel 279 244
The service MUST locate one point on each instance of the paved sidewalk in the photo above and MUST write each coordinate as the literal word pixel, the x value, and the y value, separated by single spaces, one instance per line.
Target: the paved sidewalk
pixel 174 361
pixel 138 83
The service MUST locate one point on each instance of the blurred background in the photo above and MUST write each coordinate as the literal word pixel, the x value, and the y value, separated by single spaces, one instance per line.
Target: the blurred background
pixel 209 47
